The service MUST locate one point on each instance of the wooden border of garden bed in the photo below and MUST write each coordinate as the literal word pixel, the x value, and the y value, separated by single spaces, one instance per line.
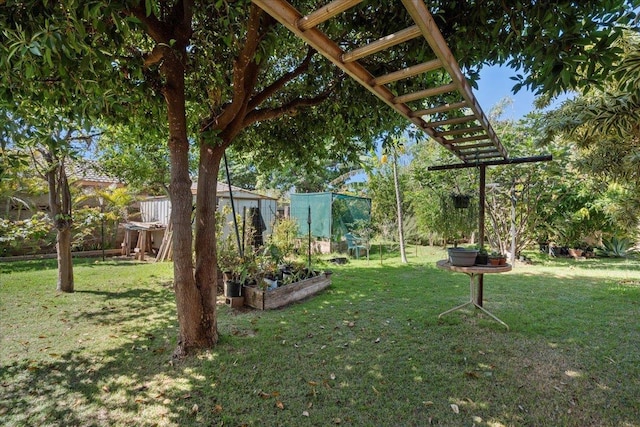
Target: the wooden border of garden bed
pixel 284 295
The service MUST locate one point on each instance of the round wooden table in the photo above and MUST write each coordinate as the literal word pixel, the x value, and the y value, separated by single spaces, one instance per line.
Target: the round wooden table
pixel 473 272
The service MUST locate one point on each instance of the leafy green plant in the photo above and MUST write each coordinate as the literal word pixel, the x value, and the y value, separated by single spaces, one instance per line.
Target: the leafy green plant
pixel 283 237
pixel 616 247
pixel 29 235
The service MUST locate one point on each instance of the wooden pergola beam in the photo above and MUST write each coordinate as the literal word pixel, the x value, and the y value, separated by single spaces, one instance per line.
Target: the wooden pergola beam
pixel 381 44
pixel 454 121
pixel 425 93
pixel 306 28
pixel 463 131
pixel 461 148
pixel 423 19
pixel 468 139
pixel 439 109
pixel 405 73
pixel 518 160
pixel 325 13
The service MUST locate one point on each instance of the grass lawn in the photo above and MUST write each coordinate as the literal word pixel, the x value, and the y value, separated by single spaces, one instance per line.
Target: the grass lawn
pixel 370 350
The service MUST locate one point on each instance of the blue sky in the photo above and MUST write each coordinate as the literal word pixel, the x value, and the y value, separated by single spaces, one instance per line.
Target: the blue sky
pixel 494 85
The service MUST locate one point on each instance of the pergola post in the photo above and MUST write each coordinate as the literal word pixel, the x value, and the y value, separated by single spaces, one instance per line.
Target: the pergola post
pixel 481 203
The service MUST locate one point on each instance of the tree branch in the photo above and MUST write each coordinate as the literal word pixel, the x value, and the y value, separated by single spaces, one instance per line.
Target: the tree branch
pixel 177 29
pixel 157 29
pixel 289 108
pixel 281 82
pixel 245 58
pixel 85 137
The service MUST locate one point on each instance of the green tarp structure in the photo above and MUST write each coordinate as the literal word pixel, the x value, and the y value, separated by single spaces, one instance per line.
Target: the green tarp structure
pixel 332 214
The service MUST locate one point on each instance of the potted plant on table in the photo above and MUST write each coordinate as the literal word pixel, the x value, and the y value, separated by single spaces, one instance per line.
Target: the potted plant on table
pixel 462 257
pixel 482 258
pixel 497 258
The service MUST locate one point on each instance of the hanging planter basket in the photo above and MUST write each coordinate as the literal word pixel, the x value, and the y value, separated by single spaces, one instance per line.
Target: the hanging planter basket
pixel 461 201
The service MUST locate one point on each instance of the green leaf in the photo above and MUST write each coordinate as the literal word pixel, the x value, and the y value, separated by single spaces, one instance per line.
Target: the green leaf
pixel 35 49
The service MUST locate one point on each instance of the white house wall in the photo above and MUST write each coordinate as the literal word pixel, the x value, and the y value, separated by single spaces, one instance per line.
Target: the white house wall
pixel 159 210
pixel 156 210
pixel 268 210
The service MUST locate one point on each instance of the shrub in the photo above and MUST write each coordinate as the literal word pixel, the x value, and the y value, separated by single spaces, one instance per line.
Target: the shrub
pixel 26 236
pixel 616 247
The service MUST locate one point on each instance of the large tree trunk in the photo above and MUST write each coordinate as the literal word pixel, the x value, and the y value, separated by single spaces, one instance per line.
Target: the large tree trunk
pixel 205 241
pixel 61 214
pixel 65 263
pixel 194 300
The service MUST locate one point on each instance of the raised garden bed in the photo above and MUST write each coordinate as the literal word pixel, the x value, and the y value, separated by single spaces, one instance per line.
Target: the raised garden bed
pixel 261 299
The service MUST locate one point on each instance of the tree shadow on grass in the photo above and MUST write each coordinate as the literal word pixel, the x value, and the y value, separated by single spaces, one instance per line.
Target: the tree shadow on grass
pixel 137 307
pixel 599 263
pixel 132 384
pixel 52 264
pixel 124 377
pixel 373 359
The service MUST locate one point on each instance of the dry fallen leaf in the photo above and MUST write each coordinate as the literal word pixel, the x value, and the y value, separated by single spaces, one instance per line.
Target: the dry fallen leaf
pixel 194 408
pixel 264 395
pixel 279 404
pixel 305 413
pixel 217 409
pixel 455 408
pixel 105 389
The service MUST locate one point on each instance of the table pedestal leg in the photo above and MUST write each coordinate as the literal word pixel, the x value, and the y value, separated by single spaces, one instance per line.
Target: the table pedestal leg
pixel 473 302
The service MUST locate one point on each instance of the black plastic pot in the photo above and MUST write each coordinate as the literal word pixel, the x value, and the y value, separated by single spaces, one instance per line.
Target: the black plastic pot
pixel 232 289
pixel 461 201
